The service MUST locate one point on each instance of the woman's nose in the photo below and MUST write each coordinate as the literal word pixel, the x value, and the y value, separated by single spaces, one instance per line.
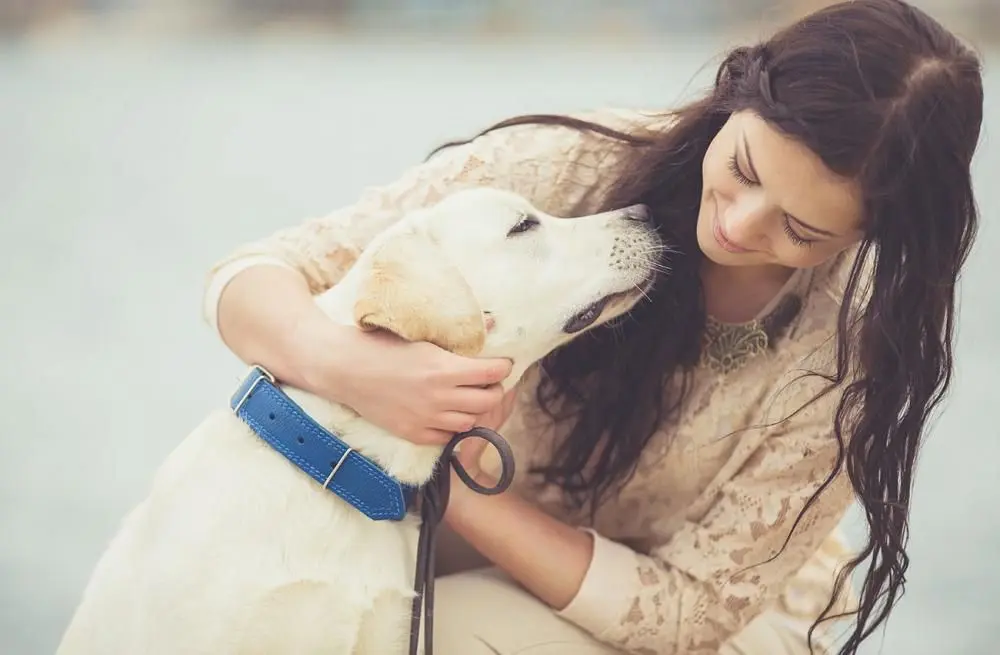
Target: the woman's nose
pixel 745 219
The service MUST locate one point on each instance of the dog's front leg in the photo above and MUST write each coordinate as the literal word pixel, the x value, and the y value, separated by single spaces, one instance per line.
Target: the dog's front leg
pixel 385 630
pixel 301 618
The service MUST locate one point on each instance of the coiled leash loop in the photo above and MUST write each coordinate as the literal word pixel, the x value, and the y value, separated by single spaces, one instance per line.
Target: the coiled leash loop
pixel 433 503
pixel 322 455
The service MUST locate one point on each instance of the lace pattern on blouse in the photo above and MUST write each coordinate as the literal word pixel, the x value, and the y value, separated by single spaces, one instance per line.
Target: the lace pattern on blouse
pixel 683 555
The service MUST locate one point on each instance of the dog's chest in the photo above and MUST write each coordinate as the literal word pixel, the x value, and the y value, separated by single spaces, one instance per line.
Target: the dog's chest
pixel 259 513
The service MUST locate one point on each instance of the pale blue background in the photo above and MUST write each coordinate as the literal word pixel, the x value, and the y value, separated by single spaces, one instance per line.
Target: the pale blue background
pixel 132 156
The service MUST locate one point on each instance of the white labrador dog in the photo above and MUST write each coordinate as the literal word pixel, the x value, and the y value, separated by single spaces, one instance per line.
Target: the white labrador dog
pixel 237 550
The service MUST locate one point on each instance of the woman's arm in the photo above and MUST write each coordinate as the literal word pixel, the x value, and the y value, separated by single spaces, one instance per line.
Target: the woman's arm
pixel 691 593
pixel 535 161
pixel 267 316
pixel 259 298
pixel 549 558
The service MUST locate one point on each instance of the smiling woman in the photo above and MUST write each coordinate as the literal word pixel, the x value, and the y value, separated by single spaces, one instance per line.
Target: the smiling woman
pixel 680 478
pixel 759 187
pixel 794 177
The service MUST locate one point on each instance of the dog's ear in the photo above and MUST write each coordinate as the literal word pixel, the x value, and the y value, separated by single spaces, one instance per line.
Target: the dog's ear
pixel 413 292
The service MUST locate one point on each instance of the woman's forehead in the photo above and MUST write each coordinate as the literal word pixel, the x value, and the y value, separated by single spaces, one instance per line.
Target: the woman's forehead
pixel 796 177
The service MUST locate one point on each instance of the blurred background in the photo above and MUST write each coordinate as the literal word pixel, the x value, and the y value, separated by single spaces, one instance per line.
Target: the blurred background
pixel 141 140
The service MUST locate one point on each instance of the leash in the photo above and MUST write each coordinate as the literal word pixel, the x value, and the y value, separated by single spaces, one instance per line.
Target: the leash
pixel 327 459
pixel 433 503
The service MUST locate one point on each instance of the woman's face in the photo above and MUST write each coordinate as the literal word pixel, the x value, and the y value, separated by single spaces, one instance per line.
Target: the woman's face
pixel 768 200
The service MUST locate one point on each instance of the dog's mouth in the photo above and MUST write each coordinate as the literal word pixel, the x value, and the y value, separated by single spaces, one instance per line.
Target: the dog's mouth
pixel 643 287
pixel 589 314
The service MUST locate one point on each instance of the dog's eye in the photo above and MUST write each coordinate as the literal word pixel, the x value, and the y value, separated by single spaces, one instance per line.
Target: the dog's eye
pixel 525 223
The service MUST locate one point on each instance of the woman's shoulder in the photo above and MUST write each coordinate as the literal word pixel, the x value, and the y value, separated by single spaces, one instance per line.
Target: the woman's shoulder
pixel 549 135
pixel 583 145
pixel 570 136
pixel 628 119
pixel 563 167
pixel 631 120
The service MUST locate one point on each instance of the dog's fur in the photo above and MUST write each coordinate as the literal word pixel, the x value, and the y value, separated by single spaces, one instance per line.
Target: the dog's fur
pixel 236 551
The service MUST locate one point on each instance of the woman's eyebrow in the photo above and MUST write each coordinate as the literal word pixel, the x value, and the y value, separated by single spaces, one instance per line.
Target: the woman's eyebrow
pixel 753 172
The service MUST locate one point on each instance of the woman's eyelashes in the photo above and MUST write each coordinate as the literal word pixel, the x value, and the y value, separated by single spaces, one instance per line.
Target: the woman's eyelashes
pixel 793 236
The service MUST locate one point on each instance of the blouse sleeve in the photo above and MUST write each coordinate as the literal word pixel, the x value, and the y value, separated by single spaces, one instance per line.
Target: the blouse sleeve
pixel 541 163
pixel 714 575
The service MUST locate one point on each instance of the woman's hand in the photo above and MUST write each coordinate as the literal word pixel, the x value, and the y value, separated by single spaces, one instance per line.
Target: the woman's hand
pixel 417 391
pixel 268 316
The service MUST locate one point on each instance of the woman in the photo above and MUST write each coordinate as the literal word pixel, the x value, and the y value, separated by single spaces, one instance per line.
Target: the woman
pixel 682 473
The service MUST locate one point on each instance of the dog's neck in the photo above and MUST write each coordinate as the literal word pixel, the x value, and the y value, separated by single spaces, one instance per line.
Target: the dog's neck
pixel 405 461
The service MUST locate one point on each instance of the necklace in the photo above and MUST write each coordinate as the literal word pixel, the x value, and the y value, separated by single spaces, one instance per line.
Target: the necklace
pixel 726 347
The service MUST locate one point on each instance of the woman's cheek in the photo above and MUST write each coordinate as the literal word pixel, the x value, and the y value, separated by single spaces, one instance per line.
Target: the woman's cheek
pixel 795 256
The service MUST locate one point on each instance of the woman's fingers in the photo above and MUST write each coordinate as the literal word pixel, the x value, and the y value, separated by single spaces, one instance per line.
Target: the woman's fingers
pixel 474 400
pixel 452 422
pixel 473 372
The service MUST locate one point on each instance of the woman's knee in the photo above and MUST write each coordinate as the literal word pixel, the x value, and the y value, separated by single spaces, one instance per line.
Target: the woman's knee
pixel 483 612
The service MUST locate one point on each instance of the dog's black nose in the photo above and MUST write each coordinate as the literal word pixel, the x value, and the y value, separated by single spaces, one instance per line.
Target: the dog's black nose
pixel 639 213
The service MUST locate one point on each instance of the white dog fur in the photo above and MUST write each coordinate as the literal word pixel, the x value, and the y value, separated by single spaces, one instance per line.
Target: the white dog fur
pixel 236 551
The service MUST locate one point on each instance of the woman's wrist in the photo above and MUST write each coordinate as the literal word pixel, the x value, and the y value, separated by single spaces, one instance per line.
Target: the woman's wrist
pixel 461 495
pixel 267 316
pixel 322 353
pixel 551 564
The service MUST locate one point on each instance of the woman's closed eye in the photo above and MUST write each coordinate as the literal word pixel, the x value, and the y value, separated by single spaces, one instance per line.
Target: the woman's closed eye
pixel 795 237
pixel 745 180
pixel 734 168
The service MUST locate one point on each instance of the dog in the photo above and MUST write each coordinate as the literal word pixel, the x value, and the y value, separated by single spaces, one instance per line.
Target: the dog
pixel 236 550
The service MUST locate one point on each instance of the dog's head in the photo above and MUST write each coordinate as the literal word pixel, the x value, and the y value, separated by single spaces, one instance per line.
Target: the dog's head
pixel 483 272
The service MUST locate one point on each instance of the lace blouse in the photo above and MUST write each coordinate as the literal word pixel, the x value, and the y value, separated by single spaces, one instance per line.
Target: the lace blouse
pixel 684 555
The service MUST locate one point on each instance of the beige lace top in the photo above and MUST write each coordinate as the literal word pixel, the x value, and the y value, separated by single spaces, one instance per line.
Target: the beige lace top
pixel 681 554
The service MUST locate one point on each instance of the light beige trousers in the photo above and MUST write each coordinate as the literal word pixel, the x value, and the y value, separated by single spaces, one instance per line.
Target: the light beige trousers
pixel 478 610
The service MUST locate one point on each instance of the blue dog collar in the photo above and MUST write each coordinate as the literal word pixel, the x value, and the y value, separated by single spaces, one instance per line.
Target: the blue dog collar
pixel 326 459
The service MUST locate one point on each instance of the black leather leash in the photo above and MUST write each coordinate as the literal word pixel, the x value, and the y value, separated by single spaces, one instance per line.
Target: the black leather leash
pixel 433 503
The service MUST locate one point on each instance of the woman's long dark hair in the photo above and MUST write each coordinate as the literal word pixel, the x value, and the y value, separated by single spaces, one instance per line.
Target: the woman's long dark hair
pixel 886 96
